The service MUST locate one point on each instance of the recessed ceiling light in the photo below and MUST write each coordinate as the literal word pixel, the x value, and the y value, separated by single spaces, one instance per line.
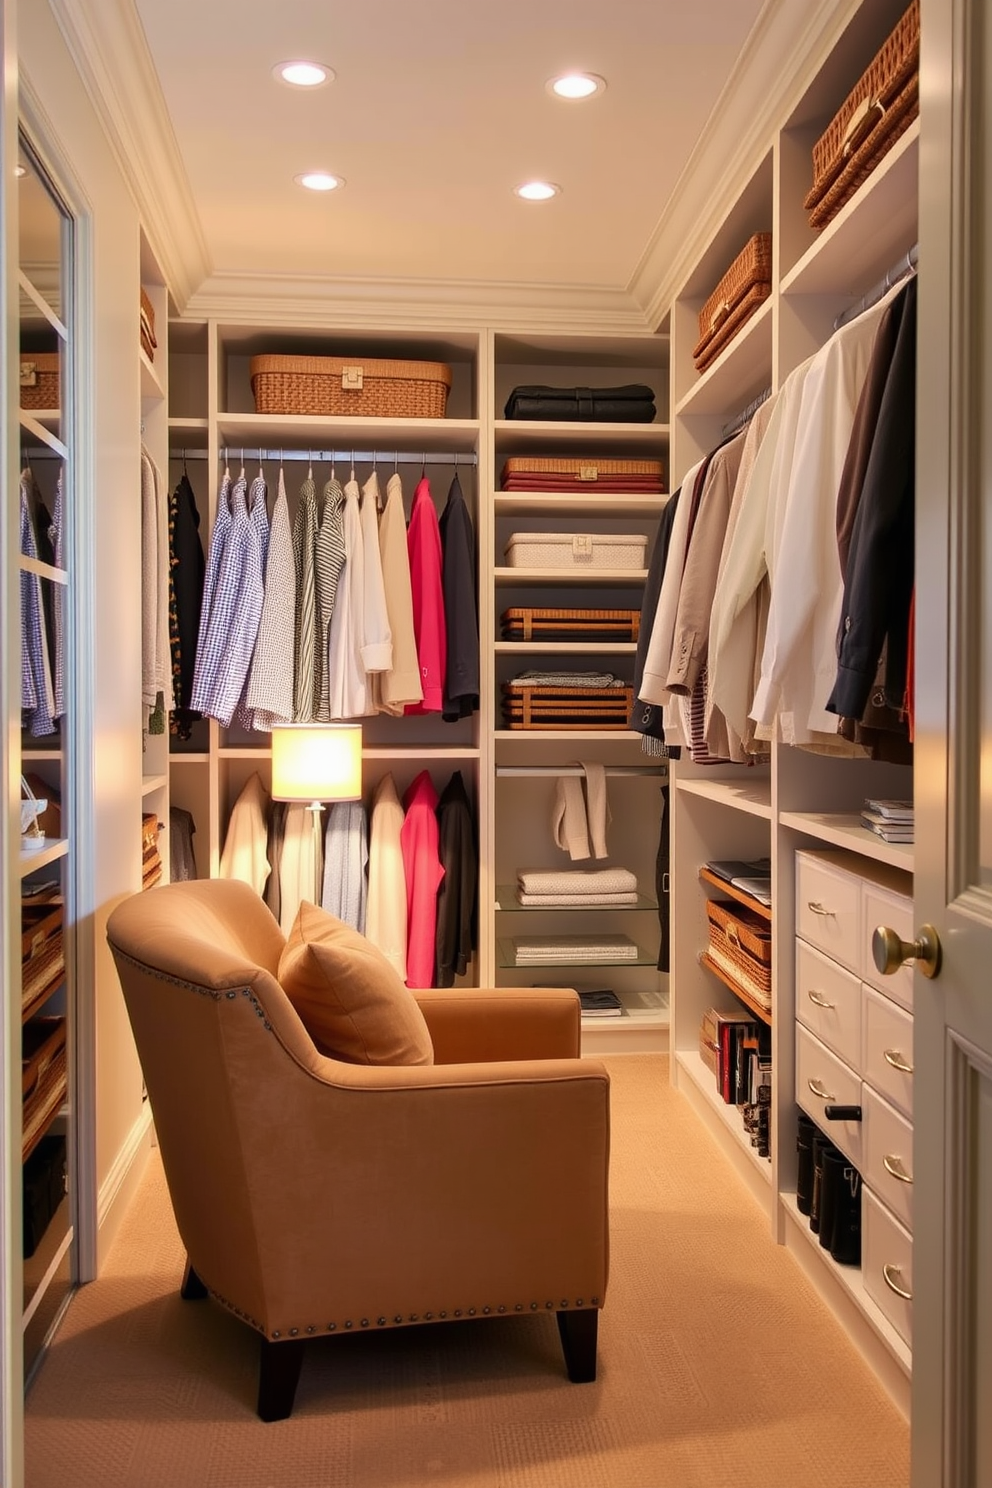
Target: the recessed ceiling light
pixel 537 190
pixel 303 74
pixel 319 181
pixel 576 85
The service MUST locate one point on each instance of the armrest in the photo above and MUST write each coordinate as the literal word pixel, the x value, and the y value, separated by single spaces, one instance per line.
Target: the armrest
pixel 470 1025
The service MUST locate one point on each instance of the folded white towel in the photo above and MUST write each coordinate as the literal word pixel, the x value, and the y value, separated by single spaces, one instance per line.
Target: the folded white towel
pixel 592 901
pixel 543 949
pixel 577 881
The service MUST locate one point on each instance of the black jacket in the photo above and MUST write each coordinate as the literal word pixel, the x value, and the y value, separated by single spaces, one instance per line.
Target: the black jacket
pixel 457 898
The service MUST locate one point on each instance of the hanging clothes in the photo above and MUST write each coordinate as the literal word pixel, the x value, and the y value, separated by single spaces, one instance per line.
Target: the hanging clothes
pixel 187 570
pixel 400 684
pixel 647 718
pixel 300 863
pixel 245 853
pixel 277 832
pixel 346 857
pixel 461 619
pixel 347 680
pixel 304 550
pixel 385 918
pixel 233 675
pixel 270 682
pixel 330 557
pixel 377 639
pixel 37 693
pixel 424 547
pixel 457 899
pixel 208 644
pixel 423 873
pixel 220 660
pixel 182 859
pixel 156 660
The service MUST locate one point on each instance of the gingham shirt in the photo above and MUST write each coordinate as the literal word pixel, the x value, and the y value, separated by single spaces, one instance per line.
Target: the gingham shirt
pixel 270 686
pixel 329 560
pixel 252 532
pixel 304 541
pixel 210 642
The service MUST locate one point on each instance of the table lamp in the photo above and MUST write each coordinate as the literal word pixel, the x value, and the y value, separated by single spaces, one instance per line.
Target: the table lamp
pixel 313 763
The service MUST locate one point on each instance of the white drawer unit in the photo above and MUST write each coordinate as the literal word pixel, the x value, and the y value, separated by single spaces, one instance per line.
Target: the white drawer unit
pixel 887 1146
pixel 887 1264
pixel 887 1045
pixel 882 906
pixel 828 901
pixel 828 1002
pixel 824 1080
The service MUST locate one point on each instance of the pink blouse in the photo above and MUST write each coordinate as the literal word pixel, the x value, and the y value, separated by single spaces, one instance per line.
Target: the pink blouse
pixel 423 871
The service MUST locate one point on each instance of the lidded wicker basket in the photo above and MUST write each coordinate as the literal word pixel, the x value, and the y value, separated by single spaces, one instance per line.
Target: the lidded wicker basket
pixel 743 287
pixel 40 379
pixel 363 387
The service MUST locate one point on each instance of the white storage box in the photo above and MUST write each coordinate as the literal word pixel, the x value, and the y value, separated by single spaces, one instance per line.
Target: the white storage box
pixel 576 550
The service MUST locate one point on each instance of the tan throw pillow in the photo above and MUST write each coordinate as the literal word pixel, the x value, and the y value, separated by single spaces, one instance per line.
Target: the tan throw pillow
pixel 349 998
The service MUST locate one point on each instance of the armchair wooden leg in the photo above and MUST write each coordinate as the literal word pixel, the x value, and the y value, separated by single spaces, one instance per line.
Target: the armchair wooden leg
pixel 579 1331
pixel 278 1377
pixel 192 1289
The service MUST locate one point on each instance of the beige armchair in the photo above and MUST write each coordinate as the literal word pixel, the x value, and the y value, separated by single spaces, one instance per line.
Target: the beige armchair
pixel 318 1197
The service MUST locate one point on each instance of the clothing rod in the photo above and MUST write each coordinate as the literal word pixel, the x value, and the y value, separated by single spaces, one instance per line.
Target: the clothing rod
pixel 327 457
pixel 905 266
pixel 746 414
pixel 528 771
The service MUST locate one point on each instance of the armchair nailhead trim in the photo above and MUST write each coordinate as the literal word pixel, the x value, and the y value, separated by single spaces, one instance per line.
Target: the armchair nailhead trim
pixel 442 1314
pixel 594 1301
pixel 471 1312
pixel 332 1327
pixel 564 1301
pixel 487 1310
pixel 415 1317
pixel 348 1323
pixel 533 1307
pixel 501 1308
pixel 458 1312
pixel 230 995
pixel 365 1322
pixel 428 1317
pixel 311 1328
pixel 518 1307
pixel 381 1321
pixel 277 1335
pixel 578 1302
pixel 398 1318
pixel 551 1305
pixel 293 1332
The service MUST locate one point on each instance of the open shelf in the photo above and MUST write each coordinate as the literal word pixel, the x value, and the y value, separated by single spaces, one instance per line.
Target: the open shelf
pixel 152 783
pixel 753 797
pixel 53 849
pixel 151 383
pixel 506 961
pixel 331 432
pixel 524 434
pixel 587 577
pixel 566 648
pixel 536 503
pixel 742 369
pixel 845 830
pixel 763 1014
pixel 691 1062
pixel 851 1279
pixel 730 891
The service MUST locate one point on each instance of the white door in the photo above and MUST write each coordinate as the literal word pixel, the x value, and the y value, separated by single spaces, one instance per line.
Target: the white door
pixel 952 1262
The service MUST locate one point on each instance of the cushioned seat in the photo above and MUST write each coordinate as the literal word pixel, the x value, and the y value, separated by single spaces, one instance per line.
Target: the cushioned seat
pixel 318 1195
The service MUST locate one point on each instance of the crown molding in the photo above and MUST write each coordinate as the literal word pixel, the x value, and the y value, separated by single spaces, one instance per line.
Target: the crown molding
pixel 765 84
pixel 108 46
pixel 270 299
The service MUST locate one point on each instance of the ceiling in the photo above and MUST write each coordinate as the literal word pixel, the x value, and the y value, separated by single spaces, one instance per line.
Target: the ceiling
pixel 437 110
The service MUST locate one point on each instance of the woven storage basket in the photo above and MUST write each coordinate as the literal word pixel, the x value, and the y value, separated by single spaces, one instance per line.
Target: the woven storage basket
pixel 740 943
pixel 349 385
pixel 579 550
pixel 566 707
pixel 737 296
pixel 583 472
pixel 40 379
pixel 147 327
pixel 526 624
pixel 881 107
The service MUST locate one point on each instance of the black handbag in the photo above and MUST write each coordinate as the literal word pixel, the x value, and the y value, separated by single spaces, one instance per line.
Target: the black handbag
pixel 632 404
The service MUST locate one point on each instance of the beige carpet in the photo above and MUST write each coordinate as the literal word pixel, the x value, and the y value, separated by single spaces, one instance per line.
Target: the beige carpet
pixel 719 1368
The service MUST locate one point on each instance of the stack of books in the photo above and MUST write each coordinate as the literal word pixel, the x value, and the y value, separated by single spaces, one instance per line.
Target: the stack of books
pixel 739 1053
pixel 893 821
pixel 601 1004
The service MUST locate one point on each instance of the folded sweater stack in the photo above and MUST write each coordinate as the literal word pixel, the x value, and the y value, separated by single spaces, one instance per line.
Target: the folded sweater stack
pixel 562 889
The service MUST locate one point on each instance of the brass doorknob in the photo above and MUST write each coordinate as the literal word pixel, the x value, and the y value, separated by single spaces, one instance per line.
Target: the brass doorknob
pixel 890 951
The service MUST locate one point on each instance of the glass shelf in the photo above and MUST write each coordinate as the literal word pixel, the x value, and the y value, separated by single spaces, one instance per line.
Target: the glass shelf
pixel 506 903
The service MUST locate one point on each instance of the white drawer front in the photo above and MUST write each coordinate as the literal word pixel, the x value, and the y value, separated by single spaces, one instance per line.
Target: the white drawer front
pixel 887 1144
pixel 824 1080
pixel 828 904
pixel 884 907
pixel 887 1046
pixel 887 1264
pixel 828 1001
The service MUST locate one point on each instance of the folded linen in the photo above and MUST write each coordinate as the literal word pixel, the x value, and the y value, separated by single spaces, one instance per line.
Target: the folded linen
pixel 542 950
pixel 562 679
pixel 563 901
pixel 596 881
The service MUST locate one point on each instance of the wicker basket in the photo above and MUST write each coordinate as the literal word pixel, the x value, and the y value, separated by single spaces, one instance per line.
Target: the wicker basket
pixel 582 473
pixel 740 943
pixel 40 379
pixel 566 707
pixel 578 550
pixel 881 107
pixel 527 624
pixel 308 385
pixel 737 296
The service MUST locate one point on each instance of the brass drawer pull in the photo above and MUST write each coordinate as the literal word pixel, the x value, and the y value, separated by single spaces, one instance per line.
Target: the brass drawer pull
pixel 819 1091
pixel 888 1272
pixel 895 1058
pixel 894 1166
pixel 819 999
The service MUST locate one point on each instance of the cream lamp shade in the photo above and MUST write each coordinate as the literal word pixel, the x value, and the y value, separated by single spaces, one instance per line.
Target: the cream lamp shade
pixel 314 762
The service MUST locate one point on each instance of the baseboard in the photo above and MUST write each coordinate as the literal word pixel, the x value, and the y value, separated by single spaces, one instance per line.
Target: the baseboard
pixel 121 1183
